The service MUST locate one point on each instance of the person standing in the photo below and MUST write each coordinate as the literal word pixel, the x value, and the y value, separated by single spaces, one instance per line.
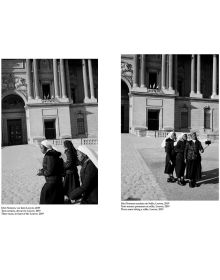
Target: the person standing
pixel 71 179
pixel 88 191
pixel 180 163
pixel 52 191
pixel 168 143
pixel 193 160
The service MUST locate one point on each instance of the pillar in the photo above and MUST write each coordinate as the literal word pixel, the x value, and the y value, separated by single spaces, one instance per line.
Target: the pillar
pixel 68 78
pixel 163 73
pixel 214 77
pixel 170 72
pixel 36 79
pixel 29 79
pixel 55 77
pixel 135 73
pixel 93 99
pixel 143 74
pixel 198 91
pixel 63 80
pixel 85 81
pixel 192 74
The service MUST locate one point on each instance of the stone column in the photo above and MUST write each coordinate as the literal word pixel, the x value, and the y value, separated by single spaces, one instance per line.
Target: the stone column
pixel 85 81
pixel 29 79
pixel 192 74
pixel 36 79
pixel 176 74
pixel 55 77
pixel 170 72
pixel 63 80
pixel 135 73
pixel 143 74
pixel 68 78
pixel 163 71
pixel 198 91
pixel 93 99
pixel 214 77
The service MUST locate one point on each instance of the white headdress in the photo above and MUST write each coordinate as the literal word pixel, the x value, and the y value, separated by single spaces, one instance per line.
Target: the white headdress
pixel 46 144
pixel 90 154
pixel 163 144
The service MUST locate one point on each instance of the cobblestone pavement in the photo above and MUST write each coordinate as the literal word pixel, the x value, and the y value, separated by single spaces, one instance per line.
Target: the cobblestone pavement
pixel 153 156
pixel 20 184
pixel 137 181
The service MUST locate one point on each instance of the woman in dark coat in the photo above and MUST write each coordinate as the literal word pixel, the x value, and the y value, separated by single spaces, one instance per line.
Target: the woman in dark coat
pixel 180 163
pixel 88 191
pixel 193 160
pixel 52 191
pixel 71 179
pixel 170 156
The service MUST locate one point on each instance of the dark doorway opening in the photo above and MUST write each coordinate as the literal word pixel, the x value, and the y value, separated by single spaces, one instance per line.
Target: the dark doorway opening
pixel 152 80
pixel 46 91
pixel 14 132
pixel 50 129
pixel 124 108
pixel 153 119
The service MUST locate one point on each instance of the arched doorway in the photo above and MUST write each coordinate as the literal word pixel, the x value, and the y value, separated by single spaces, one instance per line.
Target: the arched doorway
pixel 124 107
pixel 14 131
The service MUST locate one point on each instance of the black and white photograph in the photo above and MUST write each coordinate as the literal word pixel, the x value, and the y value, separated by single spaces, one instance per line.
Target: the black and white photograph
pixel 170 127
pixel 49 131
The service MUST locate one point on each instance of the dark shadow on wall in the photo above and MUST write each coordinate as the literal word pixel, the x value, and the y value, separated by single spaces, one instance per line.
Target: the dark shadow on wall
pixel 210 177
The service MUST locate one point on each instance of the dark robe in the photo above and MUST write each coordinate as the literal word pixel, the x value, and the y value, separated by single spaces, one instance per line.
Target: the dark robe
pixel 71 179
pixel 193 160
pixel 170 155
pixel 180 164
pixel 52 191
pixel 88 190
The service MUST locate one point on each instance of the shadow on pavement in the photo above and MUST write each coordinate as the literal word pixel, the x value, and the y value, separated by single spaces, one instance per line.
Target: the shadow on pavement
pixel 210 177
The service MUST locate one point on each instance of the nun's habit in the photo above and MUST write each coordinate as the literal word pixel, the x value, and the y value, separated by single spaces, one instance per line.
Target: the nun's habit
pixel 179 149
pixel 88 190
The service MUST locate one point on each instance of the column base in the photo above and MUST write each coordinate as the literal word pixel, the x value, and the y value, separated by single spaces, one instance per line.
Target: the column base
pixel 64 99
pixel 196 95
pixel 93 100
pixel 214 96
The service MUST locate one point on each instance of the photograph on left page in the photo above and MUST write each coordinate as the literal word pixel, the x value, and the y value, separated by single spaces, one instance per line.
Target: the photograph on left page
pixel 49 131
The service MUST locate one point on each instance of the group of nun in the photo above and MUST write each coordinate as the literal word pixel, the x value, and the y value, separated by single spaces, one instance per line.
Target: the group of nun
pixel 183 154
pixel 63 183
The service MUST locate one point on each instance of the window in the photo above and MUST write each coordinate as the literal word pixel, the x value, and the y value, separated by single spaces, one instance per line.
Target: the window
pixel 184 118
pixel 207 118
pixel 152 80
pixel 80 124
pixel 46 91
pixel 50 129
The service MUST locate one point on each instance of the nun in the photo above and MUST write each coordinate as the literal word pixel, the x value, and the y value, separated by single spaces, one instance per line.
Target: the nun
pixel 168 144
pixel 52 191
pixel 88 190
pixel 180 163
pixel 193 159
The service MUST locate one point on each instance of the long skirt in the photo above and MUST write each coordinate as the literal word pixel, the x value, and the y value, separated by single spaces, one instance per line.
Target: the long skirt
pixel 71 181
pixel 169 167
pixel 180 165
pixel 52 193
pixel 194 169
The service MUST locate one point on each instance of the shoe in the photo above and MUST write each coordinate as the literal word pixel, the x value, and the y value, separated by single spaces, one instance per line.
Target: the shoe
pixel 171 180
pixel 191 184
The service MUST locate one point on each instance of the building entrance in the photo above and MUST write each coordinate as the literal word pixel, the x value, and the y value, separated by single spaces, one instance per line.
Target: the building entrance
pixel 14 132
pixel 153 119
pixel 124 108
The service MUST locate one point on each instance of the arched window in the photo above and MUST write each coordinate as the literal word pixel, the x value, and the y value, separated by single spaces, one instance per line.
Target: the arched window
pixel 207 118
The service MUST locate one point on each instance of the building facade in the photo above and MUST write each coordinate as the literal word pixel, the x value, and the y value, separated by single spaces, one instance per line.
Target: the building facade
pixel 166 92
pixel 49 99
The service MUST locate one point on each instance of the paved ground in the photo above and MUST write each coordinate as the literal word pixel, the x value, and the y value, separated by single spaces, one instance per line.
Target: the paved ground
pixel 143 175
pixel 20 184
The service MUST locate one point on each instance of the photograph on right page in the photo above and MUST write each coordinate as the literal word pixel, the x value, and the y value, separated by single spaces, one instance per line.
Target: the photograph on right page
pixel 169 127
